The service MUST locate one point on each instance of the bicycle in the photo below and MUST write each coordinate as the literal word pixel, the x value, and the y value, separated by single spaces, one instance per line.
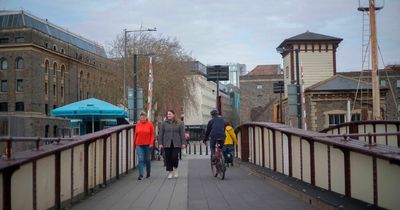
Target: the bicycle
pixel 218 167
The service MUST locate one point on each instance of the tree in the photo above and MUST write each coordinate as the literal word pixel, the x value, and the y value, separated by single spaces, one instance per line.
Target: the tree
pixel 171 65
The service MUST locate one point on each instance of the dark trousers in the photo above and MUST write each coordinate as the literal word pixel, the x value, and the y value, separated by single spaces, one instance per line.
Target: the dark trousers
pixel 171 157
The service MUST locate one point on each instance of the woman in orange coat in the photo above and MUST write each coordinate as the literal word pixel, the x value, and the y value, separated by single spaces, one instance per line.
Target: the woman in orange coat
pixel 143 142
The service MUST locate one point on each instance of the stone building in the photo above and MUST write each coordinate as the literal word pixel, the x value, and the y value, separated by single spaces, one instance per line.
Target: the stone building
pixel 256 93
pixel 42 67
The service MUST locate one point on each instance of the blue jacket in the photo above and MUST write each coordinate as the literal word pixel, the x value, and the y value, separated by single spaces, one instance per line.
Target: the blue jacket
pixel 215 129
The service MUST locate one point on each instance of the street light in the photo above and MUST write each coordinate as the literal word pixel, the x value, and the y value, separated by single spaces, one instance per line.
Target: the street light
pixel 134 69
pixel 299 112
pixel 125 63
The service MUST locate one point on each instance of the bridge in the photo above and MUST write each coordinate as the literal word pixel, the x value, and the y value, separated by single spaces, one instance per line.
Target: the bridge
pixel 351 166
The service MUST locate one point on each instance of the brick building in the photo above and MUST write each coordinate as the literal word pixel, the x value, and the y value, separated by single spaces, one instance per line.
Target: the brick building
pixel 42 67
pixel 256 93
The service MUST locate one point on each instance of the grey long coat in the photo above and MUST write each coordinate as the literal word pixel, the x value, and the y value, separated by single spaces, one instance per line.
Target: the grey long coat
pixel 171 132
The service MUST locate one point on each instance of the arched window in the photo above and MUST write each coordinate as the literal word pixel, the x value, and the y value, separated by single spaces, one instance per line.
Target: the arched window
pixel 19 63
pixel 80 77
pixel 87 79
pixel 62 71
pixel 46 67
pixel 62 50
pixel 3 64
pixel 54 47
pixel 54 68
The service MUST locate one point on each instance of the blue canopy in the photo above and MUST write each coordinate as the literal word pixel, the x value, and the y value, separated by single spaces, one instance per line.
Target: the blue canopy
pixel 90 109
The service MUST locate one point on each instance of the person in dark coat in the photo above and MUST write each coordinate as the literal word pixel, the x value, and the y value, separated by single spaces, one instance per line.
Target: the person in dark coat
pixel 172 138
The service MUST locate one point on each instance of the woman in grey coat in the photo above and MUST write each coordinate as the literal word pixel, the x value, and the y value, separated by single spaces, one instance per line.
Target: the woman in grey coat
pixel 172 138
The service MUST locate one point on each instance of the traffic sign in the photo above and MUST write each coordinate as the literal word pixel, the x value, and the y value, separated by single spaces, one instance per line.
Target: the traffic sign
pixel 217 73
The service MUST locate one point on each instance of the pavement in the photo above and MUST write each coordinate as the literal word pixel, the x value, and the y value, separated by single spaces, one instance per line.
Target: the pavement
pixel 195 189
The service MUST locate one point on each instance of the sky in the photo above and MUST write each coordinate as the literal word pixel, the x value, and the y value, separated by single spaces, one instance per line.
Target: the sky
pixel 226 31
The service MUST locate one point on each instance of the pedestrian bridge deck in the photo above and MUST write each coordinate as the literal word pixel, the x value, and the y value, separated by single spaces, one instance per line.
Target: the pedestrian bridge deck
pixel 194 189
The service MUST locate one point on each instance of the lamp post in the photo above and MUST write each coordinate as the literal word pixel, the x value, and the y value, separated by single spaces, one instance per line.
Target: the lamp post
pixel 134 69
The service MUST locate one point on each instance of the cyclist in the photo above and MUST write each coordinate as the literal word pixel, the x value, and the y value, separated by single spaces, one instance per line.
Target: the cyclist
pixel 215 132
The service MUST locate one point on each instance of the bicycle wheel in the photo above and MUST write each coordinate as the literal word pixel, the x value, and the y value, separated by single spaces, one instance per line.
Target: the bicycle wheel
pixel 214 169
pixel 221 167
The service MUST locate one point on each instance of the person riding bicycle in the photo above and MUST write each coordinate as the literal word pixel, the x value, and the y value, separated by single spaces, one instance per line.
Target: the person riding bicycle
pixel 215 131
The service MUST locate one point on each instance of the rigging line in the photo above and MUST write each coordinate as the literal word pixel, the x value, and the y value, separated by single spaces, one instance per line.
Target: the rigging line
pixel 359 78
pixel 387 76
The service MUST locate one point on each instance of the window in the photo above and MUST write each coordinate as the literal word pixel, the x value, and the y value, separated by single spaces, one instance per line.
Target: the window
pixel 383 83
pixel 19 39
pixel 46 67
pixel 54 47
pixel 62 51
pixel 4 40
pixel 54 68
pixel 259 87
pixel 19 63
pixel 4 107
pixel 355 117
pixel 87 95
pixel 87 79
pixel 20 85
pixel 3 64
pixel 54 90
pixel 335 119
pixel 62 70
pixel 46 90
pixel 46 44
pixel 46 131
pixel 46 109
pixel 55 131
pixel 62 92
pixel 4 86
pixel 19 106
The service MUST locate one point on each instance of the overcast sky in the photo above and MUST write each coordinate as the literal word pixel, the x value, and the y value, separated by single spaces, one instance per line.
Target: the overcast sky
pixel 225 31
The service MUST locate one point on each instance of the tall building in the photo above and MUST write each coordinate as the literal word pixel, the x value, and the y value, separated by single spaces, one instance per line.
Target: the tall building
pixel 197 108
pixel 42 67
pixel 317 57
pixel 235 71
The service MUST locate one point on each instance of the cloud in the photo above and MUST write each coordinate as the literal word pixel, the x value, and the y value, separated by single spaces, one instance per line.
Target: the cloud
pixel 226 30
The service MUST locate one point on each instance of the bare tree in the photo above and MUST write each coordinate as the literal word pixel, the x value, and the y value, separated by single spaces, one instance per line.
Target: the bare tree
pixel 171 65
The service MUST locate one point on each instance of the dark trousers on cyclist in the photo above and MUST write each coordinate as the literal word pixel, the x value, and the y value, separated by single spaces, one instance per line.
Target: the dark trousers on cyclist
pixel 213 143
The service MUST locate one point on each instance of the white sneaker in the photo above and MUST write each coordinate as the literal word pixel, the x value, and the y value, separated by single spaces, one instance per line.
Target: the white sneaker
pixel 170 175
pixel 176 174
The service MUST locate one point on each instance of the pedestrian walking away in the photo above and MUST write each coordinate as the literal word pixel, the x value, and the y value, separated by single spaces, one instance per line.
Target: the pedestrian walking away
pixel 230 141
pixel 172 138
pixel 143 142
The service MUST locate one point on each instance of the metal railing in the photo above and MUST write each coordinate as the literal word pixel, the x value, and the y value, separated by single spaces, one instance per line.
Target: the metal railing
pixel 387 130
pixel 196 148
pixel 56 175
pixel 368 172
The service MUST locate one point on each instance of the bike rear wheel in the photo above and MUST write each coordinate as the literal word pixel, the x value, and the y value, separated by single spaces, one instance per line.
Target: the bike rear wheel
pixel 214 169
pixel 221 167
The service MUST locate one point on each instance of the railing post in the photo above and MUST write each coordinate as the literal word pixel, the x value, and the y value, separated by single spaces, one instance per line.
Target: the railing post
pixel 127 151
pixel 57 186
pixel 7 187
pixel 86 168
pixel 206 148
pixel 117 156
pixel 201 149
pixel 105 160
pixel 194 150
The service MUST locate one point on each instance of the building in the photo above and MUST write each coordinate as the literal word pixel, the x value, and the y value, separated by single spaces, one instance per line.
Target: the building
pixel 235 71
pixel 317 57
pixel 42 67
pixel 256 93
pixel 197 109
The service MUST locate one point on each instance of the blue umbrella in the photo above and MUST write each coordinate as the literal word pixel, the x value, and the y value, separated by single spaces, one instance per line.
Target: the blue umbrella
pixel 90 109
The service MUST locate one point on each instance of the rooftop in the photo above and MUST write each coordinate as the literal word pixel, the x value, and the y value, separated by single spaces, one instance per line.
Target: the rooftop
pixel 273 69
pixel 18 19
pixel 309 36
